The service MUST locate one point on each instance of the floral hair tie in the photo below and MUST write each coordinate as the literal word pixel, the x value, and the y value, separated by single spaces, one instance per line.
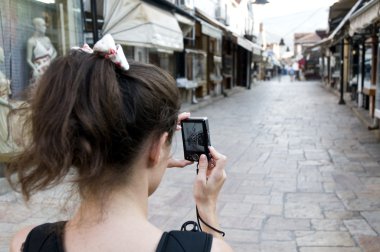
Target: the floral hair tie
pixel 109 50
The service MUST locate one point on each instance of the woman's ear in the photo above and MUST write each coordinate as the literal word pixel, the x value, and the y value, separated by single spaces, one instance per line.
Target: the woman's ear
pixel 157 149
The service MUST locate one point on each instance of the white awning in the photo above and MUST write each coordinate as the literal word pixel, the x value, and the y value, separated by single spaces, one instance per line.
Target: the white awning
pixel 210 30
pixel 185 23
pixel 344 20
pixel 249 45
pixel 138 23
pixel 365 16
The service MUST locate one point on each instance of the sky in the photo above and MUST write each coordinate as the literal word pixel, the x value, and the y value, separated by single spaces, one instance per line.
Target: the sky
pixel 283 18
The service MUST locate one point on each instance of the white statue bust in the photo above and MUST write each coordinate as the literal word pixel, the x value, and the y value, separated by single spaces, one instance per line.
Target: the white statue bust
pixel 40 51
pixel 5 90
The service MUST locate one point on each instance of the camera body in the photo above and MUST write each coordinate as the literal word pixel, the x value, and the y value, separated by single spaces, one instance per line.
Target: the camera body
pixel 195 138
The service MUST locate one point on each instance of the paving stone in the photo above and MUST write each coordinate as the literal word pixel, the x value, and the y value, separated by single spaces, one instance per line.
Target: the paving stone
pixel 236 209
pixel 329 187
pixel 284 246
pixel 373 219
pixel 241 236
pixel 363 202
pixel 279 223
pixel 359 227
pixel 369 243
pixel 330 249
pixel 257 199
pixel 324 238
pixel 241 222
pixel 303 210
pixel 328 225
pixel 264 210
pixel 277 198
pixel 274 235
pixel 340 214
pixel 315 198
pixel 244 247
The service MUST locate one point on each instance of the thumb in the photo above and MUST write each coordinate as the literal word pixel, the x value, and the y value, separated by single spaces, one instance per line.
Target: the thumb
pixel 202 168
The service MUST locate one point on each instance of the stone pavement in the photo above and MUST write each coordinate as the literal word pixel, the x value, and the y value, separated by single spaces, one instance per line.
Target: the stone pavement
pixel 303 175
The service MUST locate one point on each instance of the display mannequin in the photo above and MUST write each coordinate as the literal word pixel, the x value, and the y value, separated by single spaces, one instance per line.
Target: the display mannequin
pixel 40 51
pixel 5 90
pixel 11 116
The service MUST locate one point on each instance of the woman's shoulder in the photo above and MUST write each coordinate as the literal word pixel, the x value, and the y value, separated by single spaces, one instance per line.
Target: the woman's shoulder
pixel 31 236
pixel 19 238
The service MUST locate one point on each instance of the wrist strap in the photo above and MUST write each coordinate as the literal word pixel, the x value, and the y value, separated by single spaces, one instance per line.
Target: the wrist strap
pixel 209 226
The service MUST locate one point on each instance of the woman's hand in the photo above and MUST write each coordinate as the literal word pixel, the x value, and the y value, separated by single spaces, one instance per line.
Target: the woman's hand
pixel 180 162
pixel 182 116
pixel 208 183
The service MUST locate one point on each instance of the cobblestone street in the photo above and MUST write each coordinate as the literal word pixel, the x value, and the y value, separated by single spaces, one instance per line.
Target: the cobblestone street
pixel 303 175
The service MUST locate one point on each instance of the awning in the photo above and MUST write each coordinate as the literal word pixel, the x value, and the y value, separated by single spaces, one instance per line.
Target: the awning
pixel 249 45
pixel 344 20
pixel 138 23
pixel 210 30
pixel 330 38
pixel 201 14
pixel 185 23
pixel 365 16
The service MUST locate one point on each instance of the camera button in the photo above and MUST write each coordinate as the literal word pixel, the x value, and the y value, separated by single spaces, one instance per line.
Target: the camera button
pixel 195 157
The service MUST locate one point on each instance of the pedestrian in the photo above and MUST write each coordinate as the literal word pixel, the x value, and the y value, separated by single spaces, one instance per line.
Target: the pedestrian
pixel 108 127
pixel 291 73
pixel 279 73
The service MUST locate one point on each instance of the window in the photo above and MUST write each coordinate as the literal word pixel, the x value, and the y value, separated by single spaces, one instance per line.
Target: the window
pixel 43 30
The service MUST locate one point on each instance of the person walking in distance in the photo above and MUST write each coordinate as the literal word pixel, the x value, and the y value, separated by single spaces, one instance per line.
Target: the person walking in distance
pixel 107 125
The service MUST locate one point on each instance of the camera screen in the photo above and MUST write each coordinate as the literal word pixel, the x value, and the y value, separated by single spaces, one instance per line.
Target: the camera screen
pixel 193 136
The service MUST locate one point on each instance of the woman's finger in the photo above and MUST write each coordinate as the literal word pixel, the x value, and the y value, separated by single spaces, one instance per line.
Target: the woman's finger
pixel 202 168
pixel 215 154
pixel 182 116
pixel 178 163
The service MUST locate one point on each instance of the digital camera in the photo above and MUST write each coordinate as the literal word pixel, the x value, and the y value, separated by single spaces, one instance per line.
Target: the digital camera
pixel 195 138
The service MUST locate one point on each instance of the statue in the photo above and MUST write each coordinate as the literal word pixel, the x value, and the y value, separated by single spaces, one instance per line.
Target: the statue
pixel 40 51
pixel 5 89
pixel 11 131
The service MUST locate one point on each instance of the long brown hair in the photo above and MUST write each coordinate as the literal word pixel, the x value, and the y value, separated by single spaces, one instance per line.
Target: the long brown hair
pixel 88 115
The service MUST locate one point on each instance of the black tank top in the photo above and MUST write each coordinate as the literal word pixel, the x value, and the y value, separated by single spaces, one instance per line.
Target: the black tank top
pixel 48 238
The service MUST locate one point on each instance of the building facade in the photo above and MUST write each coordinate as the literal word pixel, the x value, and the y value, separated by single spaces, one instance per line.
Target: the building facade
pixel 185 37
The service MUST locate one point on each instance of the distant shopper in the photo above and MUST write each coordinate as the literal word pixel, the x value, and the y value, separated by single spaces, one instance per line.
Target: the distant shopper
pixel 291 73
pixel 108 126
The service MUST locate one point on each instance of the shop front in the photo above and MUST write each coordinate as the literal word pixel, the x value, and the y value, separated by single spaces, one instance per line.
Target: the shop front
pixel 34 32
pixel 245 61
pixel 365 24
pixel 147 32
pixel 210 41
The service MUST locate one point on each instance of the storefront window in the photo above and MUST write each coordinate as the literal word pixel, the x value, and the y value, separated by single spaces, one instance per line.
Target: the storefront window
pixel 367 67
pixel 196 66
pixel 163 60
pixel 35 33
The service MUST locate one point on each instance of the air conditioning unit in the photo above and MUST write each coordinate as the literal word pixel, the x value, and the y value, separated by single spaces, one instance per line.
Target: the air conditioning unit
pixel 186 4
pixel 227 21
pixel 220 14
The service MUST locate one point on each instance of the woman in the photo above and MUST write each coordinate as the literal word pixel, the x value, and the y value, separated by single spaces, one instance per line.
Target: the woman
pixel 112 125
